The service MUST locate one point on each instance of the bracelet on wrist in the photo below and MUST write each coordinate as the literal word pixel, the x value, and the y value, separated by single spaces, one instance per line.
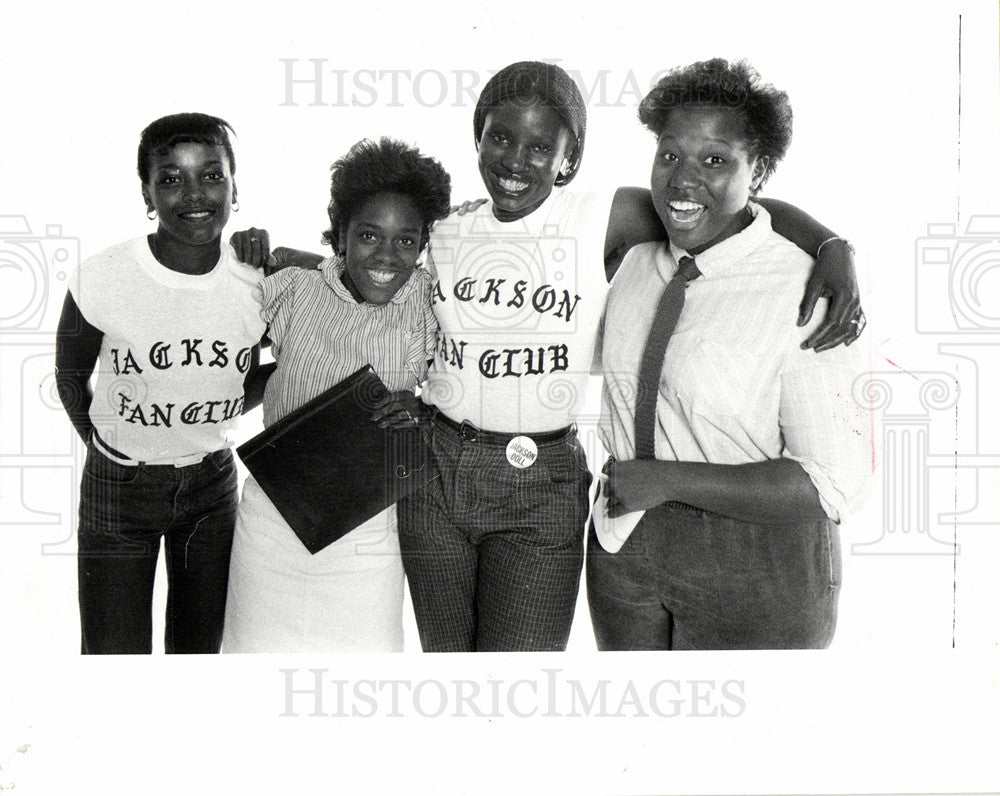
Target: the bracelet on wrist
pixel 846 242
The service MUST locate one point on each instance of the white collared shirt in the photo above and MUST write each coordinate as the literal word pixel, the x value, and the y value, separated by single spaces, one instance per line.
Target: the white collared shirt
pixel 735 387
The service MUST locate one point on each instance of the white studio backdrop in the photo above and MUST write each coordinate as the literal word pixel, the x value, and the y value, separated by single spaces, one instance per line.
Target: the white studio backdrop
pixel 896 124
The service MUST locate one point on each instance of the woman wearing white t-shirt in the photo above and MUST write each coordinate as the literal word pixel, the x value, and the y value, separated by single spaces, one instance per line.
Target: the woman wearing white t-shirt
pixel 170 325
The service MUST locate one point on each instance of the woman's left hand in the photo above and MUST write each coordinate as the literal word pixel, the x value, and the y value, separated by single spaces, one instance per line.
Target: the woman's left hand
pixel 636 485
pixel 252 246
pixel 400 410
pixel 833 277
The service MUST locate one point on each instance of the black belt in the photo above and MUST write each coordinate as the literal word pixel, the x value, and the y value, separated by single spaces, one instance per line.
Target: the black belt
pixel 470 433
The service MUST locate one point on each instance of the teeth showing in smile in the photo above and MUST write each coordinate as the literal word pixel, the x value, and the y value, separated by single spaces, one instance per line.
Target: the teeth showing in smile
pixel 682 212
pixel 380 277
pixel 512 186
pixel 197 214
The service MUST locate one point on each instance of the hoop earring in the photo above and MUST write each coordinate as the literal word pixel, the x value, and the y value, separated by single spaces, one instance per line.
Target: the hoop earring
pixel 151 214
pixel 236 205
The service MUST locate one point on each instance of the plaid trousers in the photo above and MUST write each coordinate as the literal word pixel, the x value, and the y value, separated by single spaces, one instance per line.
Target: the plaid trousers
pixel 493 553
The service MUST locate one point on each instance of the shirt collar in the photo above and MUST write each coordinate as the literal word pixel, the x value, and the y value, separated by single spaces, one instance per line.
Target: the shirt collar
pixel 723 256
pixel 333 267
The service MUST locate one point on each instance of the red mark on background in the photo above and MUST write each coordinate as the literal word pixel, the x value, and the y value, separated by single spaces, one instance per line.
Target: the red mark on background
pixel 901 368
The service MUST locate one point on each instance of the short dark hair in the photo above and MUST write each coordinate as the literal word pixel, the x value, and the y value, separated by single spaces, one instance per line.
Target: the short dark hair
pixel 526 82
pixel 183 128
pixel 717 83
pixel 370 168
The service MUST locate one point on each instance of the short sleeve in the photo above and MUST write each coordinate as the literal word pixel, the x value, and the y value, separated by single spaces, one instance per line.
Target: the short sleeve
pixel 75 289
pixel 423 340
pixel 430 267
pixel 89 284
pixel 276 295
pixel 825 429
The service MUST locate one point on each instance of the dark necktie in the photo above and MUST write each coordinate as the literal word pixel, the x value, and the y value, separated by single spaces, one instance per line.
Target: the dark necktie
pixel 648 387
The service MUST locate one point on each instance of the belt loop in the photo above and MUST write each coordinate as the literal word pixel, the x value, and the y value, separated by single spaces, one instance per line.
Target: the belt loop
pixel 468 431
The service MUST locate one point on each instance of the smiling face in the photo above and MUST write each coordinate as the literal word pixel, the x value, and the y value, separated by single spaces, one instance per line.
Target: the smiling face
pixel 703 175
pixel 382 243
pixel 191 188
pixel 521 151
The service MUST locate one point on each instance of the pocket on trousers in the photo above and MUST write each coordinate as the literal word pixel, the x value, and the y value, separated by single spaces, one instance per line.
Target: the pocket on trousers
pixel 831 539
pixel 222 461
pixel 102 470
pixel 564 466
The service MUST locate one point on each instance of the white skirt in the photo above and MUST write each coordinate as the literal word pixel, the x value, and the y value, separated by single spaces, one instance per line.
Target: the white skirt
pixel 346 598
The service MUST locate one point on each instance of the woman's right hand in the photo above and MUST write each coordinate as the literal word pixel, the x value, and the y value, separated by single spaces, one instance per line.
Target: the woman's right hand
pixel 400 410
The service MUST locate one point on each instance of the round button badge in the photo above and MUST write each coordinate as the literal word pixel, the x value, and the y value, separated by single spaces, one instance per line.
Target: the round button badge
pixel 522 452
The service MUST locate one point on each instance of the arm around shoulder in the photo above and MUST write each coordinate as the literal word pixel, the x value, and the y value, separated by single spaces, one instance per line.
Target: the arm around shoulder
pixel 632 220
pixel 832 276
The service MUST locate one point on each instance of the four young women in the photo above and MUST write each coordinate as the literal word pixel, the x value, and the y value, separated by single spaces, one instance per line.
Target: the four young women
pixel 493 549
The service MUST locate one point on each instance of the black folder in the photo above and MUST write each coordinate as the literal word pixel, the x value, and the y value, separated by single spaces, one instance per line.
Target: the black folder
pixel 327 467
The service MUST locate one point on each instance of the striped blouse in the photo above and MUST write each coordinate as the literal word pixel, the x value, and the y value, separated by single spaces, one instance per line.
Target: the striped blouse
pixel 321 335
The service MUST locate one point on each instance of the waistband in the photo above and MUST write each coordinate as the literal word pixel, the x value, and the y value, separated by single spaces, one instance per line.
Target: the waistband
pixel 471 433
pixel 177 461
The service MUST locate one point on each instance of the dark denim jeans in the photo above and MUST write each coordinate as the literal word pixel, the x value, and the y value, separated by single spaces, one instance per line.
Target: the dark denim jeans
pixel 493 553
pixel 691 579
pixel 124 512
